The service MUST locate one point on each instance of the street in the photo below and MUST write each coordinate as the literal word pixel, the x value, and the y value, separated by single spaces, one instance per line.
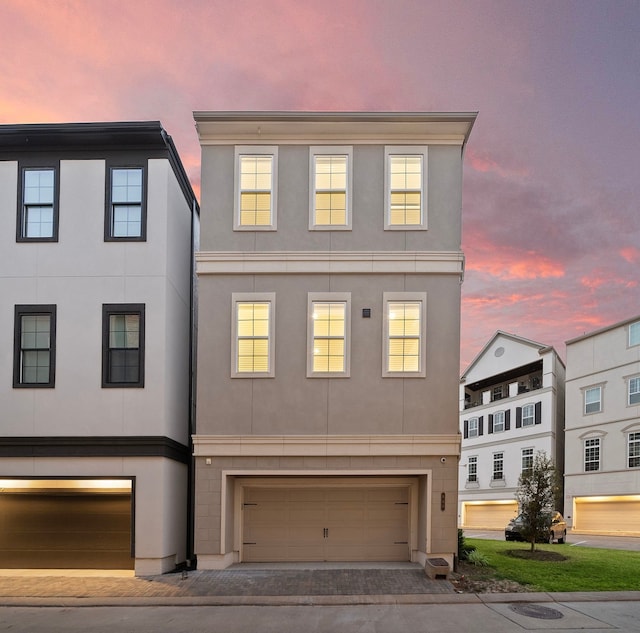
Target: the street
pixel 440 618
pixel 631 543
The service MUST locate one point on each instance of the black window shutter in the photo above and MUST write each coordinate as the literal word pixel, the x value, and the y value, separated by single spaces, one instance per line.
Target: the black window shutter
pixel 538 418
pixel 480 425
pixel 490 423
pixel 507 419
pixel 518 417
pixel 466 429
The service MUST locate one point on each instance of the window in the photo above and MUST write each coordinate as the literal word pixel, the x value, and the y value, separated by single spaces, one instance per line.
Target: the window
pixel 498 466
pixel 498 422
pixel 125 217
pixel 592 454
pixel 405 188
pixel 328 334
pixel 404 347
pixel 473 427
pixel 634 390
pixel 634 334
pixel 253 335
pixel 527 459
pixel 38 207
pixel 123 345
pixel 634 449
pixel 330 204
pixel 593 400
pixel 528 415
pixel 255 186
pixel 497 393
pixel 472 470
pixel 34 351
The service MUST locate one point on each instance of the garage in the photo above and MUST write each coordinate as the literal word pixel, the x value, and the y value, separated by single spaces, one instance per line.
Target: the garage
pixel 326 524
pixel 65 528
pixel 488 516
pixel 608 515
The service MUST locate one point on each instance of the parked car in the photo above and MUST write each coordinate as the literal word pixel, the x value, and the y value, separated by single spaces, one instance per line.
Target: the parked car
pixel 556 531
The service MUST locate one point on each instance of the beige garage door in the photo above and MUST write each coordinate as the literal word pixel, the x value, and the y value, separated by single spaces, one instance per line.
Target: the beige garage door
pixel 326 524
pixel 619 515
pixel 489 516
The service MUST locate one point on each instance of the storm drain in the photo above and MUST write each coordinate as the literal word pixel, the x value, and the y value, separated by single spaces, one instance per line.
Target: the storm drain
pixel 536 611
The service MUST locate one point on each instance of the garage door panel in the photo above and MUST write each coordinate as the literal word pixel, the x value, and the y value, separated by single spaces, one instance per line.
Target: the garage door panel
pixel 608 516
pixel 489 516
pixel 65 531
pixel 338 523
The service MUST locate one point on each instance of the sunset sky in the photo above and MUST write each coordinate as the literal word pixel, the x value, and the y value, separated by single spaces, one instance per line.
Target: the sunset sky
pixel 551 202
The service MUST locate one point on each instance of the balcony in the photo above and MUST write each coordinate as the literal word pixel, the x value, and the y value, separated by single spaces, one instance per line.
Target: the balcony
pixel 506 385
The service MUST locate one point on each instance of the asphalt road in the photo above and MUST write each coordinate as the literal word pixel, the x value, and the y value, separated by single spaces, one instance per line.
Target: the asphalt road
pixel 631 543
pixel 597 617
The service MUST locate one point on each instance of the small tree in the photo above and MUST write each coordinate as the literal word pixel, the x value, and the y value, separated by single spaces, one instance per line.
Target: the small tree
pixel 537 491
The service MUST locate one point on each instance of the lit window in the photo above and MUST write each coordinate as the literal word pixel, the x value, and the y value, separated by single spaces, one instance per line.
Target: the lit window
pixel 405 187
pixel 38 217
pixel 592 454
pixel 593 400
pixel 473 427
pixel 528 415
pixel 634 334
pixel 123 333
pixel 634 450
pixel 125 218
pixel 256 170
pixel 498 466
pixel 498 421
pixel 330 188
pixel 404 322
pixel 34 346
pixel 527 459
pixel 253 335
pixel 328 334
pixel 634 390
pixel 472 469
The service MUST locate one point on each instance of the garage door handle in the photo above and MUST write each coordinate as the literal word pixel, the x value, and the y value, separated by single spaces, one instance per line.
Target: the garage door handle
pixel 325 532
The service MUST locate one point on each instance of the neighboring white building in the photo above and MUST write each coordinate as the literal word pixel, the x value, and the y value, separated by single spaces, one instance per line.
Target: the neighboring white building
pixel 328 341
pixel 602 466
pixel 96 229
pixel 511 406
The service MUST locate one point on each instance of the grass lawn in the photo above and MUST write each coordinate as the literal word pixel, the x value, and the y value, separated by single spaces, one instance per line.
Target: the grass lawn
pixel 585 568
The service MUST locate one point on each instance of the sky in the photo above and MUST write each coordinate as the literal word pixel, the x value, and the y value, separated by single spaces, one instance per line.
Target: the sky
pixel 551 201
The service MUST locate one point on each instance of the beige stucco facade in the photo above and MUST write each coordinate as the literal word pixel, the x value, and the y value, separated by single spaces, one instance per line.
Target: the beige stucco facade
pixel 366 429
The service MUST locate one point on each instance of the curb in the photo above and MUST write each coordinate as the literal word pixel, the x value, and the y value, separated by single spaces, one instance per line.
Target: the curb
pixel 320 600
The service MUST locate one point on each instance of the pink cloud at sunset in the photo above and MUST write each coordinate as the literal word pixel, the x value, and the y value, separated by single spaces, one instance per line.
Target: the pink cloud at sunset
pixel 551 205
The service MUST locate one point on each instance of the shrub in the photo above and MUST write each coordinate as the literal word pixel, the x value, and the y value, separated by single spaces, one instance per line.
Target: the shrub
pixel 464 549
pixel 478 559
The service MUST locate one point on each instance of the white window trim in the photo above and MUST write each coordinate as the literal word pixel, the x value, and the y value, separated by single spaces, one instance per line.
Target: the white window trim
pixel 406 150
pixel 628 380
pixel 328 297
pixel 497 457
pixel 628 446
pixel 252 297
pixel 255 150
pixel 405 296
pixel 469 462
pixel 476 431
pixel 532 416
pixel 584 399
pixel 584 453
pixel 631 328
pixel 330 150
pixel 526 448
pixel 493 426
